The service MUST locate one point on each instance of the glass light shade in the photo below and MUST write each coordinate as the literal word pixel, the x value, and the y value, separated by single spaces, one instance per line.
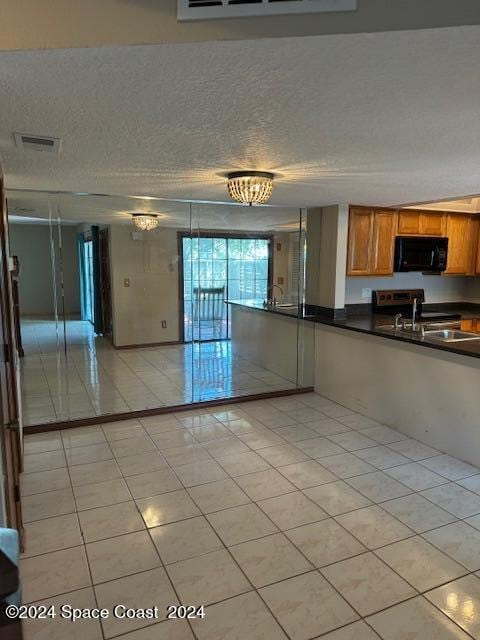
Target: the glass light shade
pixel 250 187
pixel 145 221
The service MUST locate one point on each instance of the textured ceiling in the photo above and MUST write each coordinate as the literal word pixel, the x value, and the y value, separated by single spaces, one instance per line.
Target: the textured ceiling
pixel 384 118
pixel 35 207
pixel 466 205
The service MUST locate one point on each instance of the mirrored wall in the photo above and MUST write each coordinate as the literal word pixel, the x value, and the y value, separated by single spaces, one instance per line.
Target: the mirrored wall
pixel 113 319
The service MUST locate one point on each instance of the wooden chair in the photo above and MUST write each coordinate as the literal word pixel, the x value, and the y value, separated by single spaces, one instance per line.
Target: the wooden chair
pixel 209 310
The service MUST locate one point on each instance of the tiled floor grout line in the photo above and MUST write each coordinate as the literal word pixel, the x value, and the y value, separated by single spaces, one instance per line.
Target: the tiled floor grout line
pixel 162 564
pixel 185 488
pixel 83 537
pixel 234 559
pixel 294 490
pixel 257 590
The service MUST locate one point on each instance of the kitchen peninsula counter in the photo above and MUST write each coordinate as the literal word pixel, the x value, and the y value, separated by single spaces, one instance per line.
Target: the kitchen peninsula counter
pixel 364 321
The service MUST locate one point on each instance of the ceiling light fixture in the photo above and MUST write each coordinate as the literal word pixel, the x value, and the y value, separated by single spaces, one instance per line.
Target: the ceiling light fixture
pixel 145 221
pixel 250 187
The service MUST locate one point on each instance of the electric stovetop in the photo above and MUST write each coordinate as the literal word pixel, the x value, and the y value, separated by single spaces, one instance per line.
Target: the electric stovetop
pixel 394 301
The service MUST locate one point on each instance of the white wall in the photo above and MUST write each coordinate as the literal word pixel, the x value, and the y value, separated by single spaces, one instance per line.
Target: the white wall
pixel 437 288
pixel 425 393
pixel 151 266
pixel 327 231
pixel 30 24
pixel 281 264
pixel 31 243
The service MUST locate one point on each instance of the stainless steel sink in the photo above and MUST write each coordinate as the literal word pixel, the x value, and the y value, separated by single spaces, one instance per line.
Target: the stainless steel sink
pixel 451 335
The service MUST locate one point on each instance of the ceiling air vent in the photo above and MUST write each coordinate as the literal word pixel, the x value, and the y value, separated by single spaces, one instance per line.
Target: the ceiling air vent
pixel 38 143
pixel 210 9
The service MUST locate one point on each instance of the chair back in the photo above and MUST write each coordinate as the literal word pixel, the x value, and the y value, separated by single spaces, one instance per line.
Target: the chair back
pixel 209 303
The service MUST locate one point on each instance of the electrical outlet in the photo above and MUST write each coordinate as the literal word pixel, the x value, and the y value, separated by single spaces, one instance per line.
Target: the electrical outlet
pixel 126 282
pixel 164 324
pixel 366 293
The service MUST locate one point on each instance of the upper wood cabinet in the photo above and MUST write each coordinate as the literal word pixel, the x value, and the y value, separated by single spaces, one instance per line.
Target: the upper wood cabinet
pixel 360 229
pixel 421 223
pixel 460 231
pixel 477 262
pixel 381 259
pixel 371 236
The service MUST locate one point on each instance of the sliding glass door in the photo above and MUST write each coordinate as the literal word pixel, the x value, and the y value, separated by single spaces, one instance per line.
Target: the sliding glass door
pixel 219 268
pixel 87 282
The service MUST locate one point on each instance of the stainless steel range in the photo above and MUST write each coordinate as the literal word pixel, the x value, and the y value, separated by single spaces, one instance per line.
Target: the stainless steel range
pixel 407 303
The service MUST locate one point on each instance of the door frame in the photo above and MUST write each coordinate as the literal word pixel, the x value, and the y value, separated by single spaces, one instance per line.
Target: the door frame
pixel 238 235
pixel 10 427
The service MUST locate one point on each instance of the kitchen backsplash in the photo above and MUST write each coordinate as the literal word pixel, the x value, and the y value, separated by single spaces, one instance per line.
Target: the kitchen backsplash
pixel 437 288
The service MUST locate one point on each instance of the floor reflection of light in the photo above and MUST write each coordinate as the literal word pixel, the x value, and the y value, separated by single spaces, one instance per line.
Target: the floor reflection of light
pixel 153 516
pixel 461 605
pixel 468 609
pixel 452 601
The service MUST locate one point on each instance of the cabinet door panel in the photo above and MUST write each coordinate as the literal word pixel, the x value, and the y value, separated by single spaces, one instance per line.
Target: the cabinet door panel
pixel 360 230
pixel 383 243
pixel 477 266
pixel 408 223
pixel 431 224
pixel 459 244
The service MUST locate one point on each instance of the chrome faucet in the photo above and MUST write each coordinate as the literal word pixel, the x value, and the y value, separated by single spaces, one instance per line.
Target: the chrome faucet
pixel 396 321
pixel 414 314
pixel 273 301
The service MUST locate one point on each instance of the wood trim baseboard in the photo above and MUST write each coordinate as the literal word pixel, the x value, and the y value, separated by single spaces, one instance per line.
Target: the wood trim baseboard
pixel 144 345
pixel 145 413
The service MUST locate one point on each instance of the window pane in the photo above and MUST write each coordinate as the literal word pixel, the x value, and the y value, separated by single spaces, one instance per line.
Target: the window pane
pixel 261 270
pixel 220 248
pixel 234 248
pixel 220 270
pixel 234 269
pixel 206 247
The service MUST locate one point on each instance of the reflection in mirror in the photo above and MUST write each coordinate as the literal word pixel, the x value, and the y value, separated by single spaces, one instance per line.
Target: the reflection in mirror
pixel 114 319
pixel 245 295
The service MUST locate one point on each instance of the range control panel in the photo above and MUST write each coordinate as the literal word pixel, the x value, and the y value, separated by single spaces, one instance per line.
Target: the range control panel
pixel 397 297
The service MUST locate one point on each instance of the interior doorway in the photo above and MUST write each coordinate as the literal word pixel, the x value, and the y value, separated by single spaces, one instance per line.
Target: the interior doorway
pixel 86 283
pixel 95 286
pixel 216 268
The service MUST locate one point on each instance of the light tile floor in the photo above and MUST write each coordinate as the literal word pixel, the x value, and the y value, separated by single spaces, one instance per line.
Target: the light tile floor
pixel 285 522
pixel 70 373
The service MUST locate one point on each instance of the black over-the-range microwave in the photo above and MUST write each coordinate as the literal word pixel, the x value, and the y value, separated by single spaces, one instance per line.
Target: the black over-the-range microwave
pixel 420 254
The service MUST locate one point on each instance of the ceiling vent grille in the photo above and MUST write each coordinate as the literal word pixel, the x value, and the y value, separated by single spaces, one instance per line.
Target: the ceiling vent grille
pixel 38 143
pixel 211 9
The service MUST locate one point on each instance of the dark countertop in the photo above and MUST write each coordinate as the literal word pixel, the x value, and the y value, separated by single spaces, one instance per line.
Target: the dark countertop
pixel 292 312
pixel 364 321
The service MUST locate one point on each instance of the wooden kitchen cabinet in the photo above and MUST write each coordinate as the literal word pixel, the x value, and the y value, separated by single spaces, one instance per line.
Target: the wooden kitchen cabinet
pixel 381 258
pixel 470 324
pixel 371 236
pixel 460 233
pixel 360 233
pixel 476 224
pixel 421 223
pixel 372 232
